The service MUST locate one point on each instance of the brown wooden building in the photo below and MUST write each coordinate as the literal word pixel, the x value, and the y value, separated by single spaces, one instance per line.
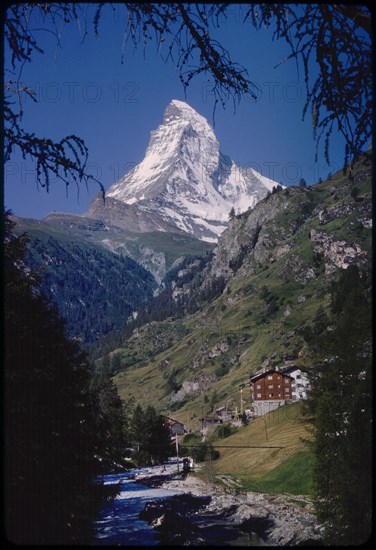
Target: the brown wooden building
pixel 271 384
pixel 270 389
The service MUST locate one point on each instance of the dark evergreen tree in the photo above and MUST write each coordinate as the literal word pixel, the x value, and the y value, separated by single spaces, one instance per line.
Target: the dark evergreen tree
pixel 355 192
pixel 110 422
pixel 50 437
pixel 340 406
pixel 138 436
pixel 115 362
pixel 245 420
pixel 320 322
pixel 149 436
pixel 273 307
pixel 158 439
pixel 264 292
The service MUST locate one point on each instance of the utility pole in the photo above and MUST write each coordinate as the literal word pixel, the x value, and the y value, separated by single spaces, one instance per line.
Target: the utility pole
pixel 177 450
pixel 266 429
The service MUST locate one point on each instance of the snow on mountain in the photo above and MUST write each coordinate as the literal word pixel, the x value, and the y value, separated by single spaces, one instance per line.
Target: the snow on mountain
pixel 187 180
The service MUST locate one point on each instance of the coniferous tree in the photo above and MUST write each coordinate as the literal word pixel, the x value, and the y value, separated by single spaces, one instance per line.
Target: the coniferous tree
pixel 340 406
pixel 110 421
pixel 149 436
pixel 158 439
pixel 51 459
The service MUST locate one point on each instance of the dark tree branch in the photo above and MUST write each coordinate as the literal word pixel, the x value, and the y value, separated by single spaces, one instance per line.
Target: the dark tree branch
pixel 335 38
pixel 67 158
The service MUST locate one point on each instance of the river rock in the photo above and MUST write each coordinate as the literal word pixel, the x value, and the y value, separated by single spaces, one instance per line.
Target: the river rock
pixel 203 509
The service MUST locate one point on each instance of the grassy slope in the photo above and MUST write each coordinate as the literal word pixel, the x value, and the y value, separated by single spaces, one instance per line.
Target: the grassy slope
pixel 270 470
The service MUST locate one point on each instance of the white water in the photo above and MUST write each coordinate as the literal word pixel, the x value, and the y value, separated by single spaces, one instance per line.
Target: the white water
pixel 119 524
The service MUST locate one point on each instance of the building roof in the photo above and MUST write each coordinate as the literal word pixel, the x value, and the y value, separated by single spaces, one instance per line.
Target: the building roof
pixel 259 375
pixel 171 421
pixel 213 417
pixel 291 368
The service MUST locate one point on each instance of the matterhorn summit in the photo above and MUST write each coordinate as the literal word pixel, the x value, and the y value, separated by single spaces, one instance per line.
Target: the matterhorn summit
pixel 184 179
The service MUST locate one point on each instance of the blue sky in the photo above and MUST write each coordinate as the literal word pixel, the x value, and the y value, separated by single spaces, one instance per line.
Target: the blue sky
pixel 84 89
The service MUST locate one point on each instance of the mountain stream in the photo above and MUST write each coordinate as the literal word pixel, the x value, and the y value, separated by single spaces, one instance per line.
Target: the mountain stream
pixel 119 523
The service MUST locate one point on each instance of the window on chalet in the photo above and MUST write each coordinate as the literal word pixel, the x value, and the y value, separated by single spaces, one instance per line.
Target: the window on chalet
pixel 270 395
pixel 258 386
pixel 259 395
pixel 270 387
pixel 270 377
pixel 286 380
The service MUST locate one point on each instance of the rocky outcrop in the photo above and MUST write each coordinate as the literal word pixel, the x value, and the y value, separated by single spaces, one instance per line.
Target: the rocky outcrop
pixel 155 262
pixel 365 214
pixel 275 520
pixel 127 216
pixel 194 387
pixel 245 235
pixel 337 211
pixel 258 237
pixel 206 352
pixel 298 269
pixel 337 254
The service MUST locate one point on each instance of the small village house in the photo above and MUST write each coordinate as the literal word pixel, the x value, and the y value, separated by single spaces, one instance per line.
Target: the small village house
pixel 224 414
pixel 277 386
pixel 176 427
pixel 213 419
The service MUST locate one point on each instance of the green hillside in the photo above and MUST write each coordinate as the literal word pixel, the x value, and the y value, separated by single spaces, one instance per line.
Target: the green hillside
pixel 200 355
pixel 254 461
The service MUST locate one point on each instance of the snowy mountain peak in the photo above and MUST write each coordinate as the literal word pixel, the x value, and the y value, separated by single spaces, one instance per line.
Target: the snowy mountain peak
pixel 186 179
pixel 179 111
